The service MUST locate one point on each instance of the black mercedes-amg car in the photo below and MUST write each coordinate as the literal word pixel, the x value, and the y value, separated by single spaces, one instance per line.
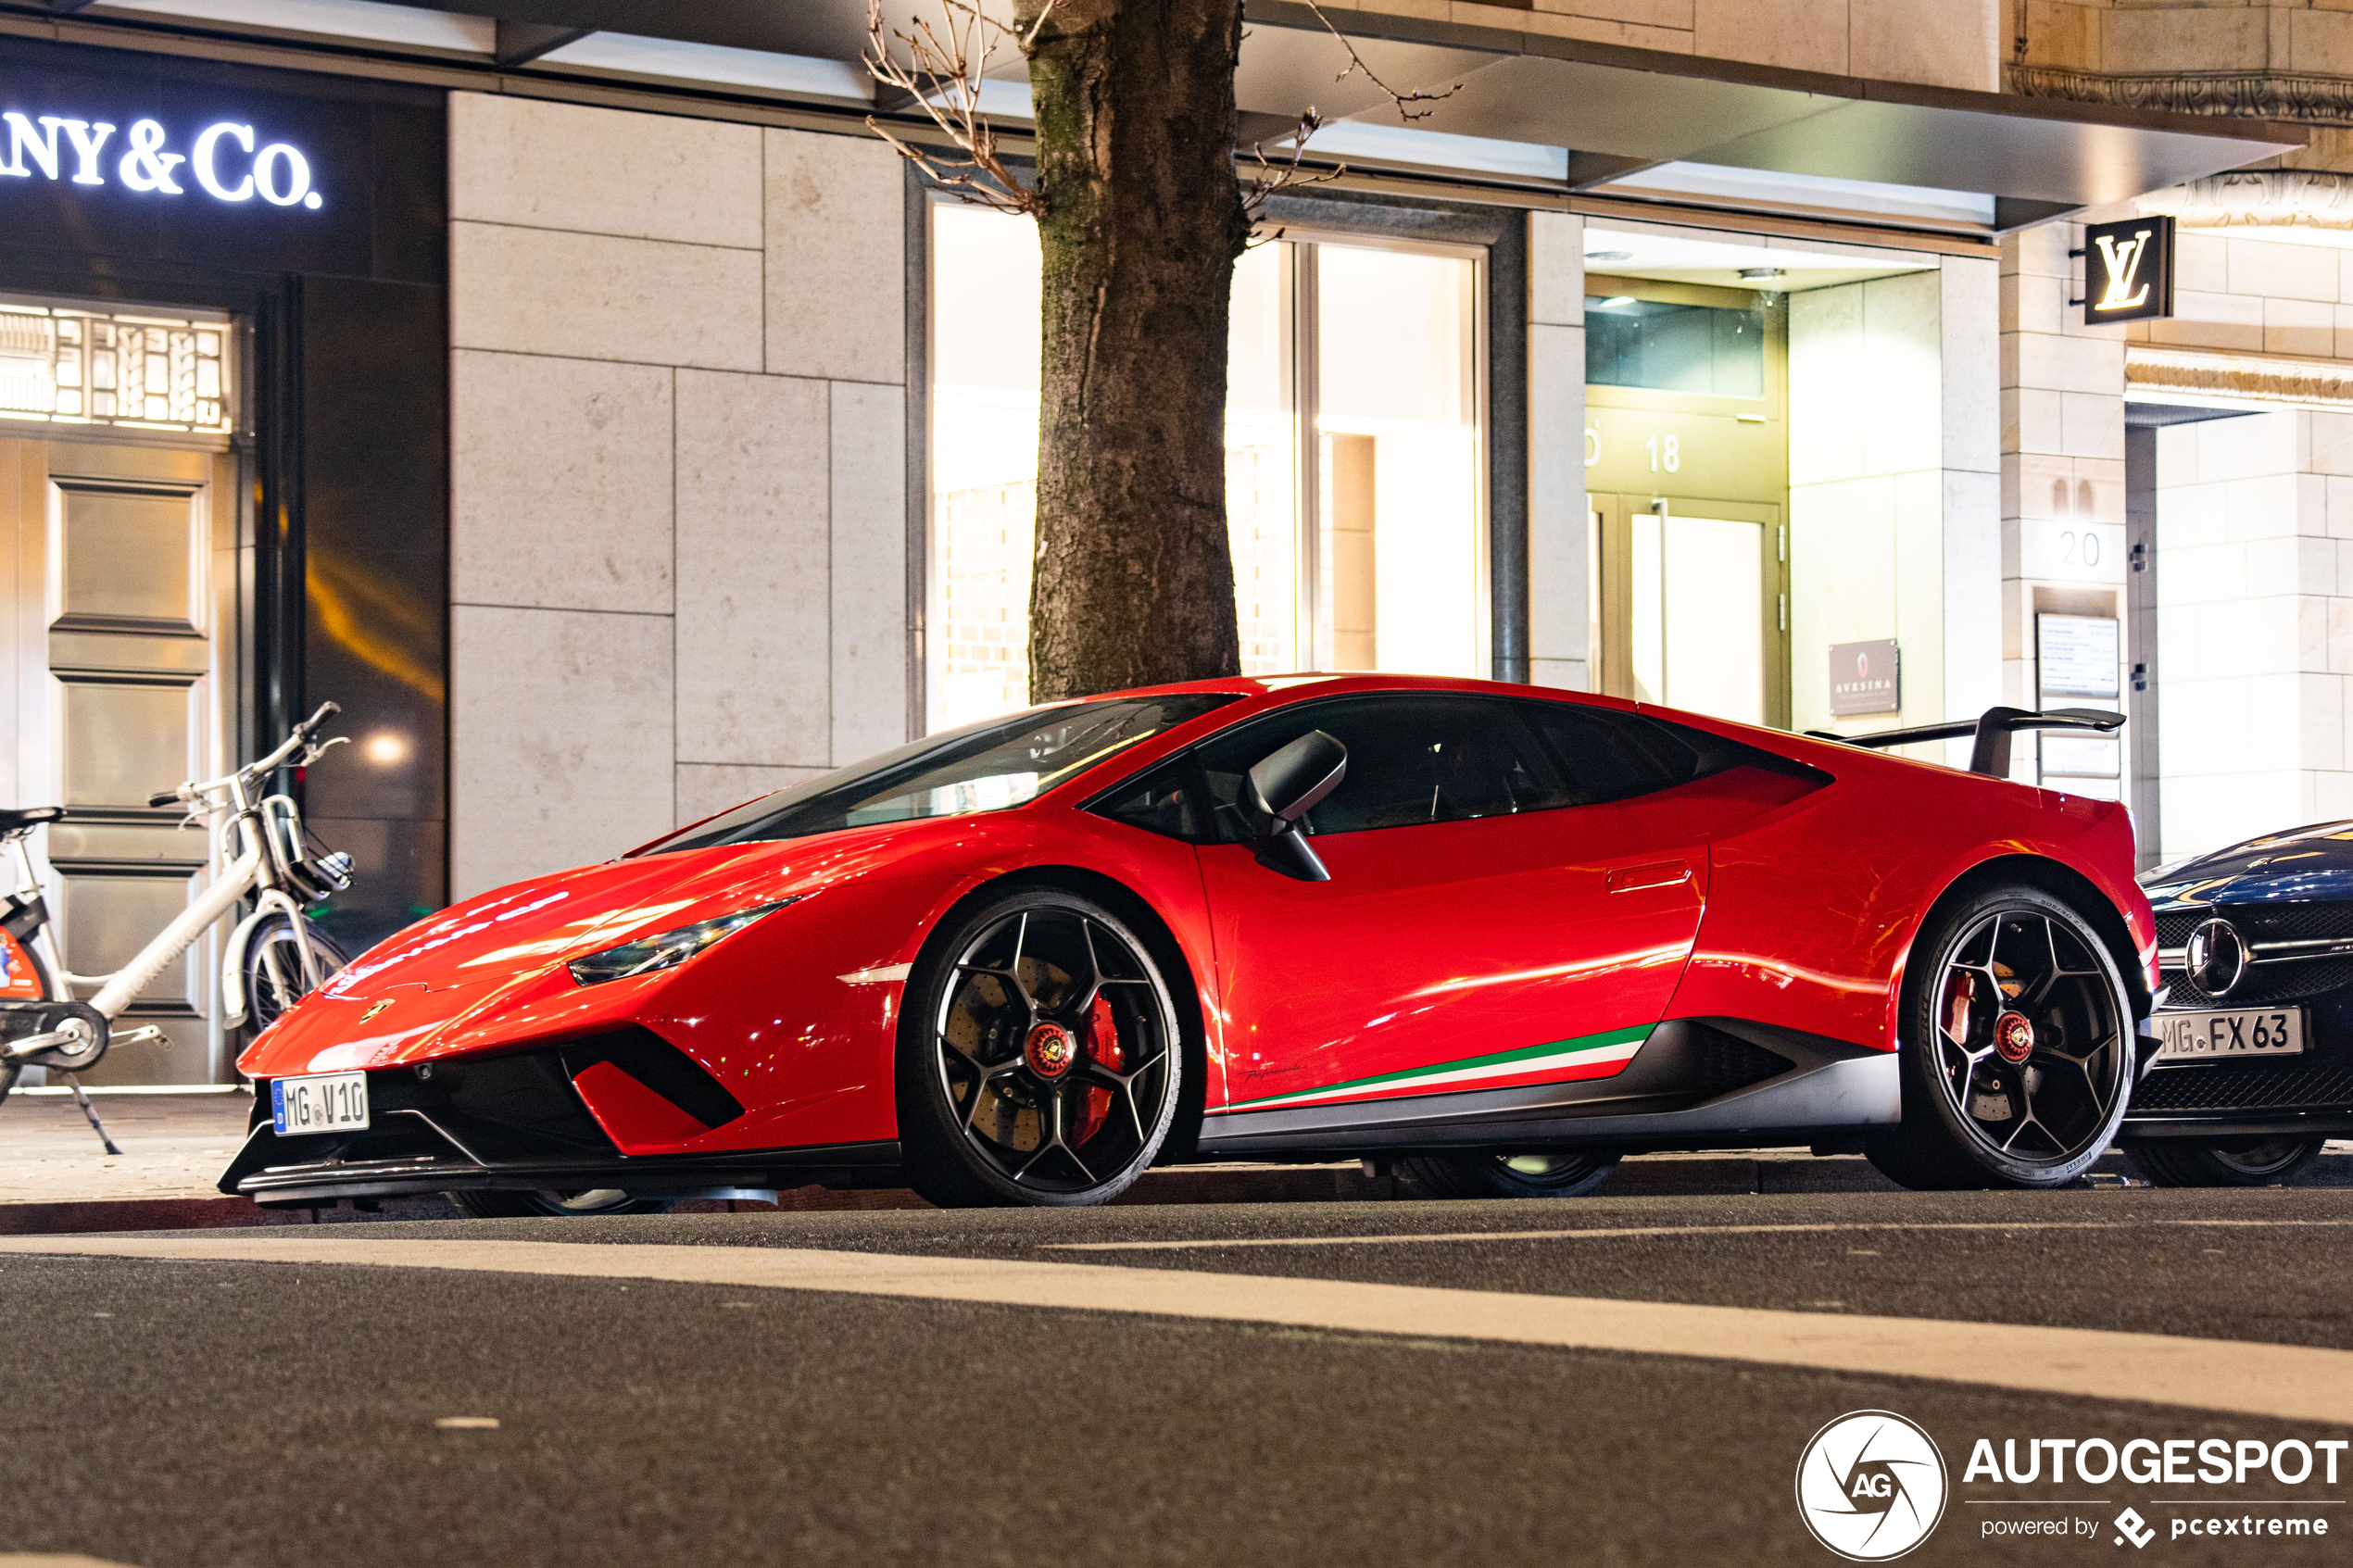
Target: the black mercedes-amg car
pixel 2254 1066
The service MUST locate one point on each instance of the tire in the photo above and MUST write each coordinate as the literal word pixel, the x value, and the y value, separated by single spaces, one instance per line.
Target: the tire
pixel 273 969
pixel 1510 1176
pixel 2226 1163
pixel 492 1203
pixel 1039 1057
pixel 8 1075
pixel 2014 969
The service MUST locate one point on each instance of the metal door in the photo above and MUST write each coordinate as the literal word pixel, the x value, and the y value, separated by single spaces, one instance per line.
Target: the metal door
pixel 125 574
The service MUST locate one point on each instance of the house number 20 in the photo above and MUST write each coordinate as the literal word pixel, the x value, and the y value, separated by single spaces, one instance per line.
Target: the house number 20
pixel 1666 453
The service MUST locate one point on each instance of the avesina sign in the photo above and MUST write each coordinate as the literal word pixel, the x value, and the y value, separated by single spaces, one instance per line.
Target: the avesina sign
pixel 226 161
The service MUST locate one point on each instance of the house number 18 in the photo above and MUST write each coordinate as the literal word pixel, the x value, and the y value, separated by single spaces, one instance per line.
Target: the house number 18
pixel 1667 453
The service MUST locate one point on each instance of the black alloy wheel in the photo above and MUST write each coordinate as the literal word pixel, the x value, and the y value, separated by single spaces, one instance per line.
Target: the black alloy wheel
pixel 273 969
pixel 2225 1162
pixel 493 1203
pixel 1039 1057
pixel 2017 1049
pixel 1510 1176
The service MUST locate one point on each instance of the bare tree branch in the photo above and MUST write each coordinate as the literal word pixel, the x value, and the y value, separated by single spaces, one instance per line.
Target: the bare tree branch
pixel 943 72
pixel 1274 177
pixel 1356 63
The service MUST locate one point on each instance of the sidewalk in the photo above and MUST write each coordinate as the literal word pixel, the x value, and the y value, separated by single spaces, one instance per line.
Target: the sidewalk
pixel 53 1176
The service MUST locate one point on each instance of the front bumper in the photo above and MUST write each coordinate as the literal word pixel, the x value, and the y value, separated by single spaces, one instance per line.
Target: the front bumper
pixel 516 1122
pixel 2310 1096
pixel 272 1178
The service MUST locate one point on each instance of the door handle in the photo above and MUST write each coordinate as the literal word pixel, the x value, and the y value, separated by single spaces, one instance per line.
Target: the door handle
pixel 1667 873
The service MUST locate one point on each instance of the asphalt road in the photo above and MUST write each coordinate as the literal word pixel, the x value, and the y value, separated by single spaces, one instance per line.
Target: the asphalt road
pixel 221 1410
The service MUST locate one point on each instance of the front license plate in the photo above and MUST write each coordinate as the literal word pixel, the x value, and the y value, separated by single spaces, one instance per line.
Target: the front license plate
pixel 2235 1035
pixel 325 1102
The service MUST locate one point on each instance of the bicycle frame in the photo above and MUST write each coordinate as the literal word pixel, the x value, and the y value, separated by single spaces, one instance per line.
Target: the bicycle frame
pixel 258 842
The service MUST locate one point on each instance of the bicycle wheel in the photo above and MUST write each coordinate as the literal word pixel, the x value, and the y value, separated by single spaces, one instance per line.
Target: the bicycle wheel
pixel 272 967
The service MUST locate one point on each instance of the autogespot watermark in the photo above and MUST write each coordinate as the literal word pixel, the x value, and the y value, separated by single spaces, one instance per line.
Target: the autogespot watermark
pixel 1873 1485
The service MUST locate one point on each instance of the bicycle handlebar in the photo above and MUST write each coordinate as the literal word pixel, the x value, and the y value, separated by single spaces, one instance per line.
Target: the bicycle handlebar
pixel 299 740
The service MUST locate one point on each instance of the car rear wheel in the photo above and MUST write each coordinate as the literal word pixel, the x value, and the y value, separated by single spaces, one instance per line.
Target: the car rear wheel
pixel 1039 1057
pixel 2227 1162
pixel 2016 1049
pixel 1510 1176
pixel 500 1204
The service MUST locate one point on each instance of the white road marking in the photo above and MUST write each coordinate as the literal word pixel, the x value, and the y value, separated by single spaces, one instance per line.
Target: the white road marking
pixel 2294 1383
pixel 1611 1232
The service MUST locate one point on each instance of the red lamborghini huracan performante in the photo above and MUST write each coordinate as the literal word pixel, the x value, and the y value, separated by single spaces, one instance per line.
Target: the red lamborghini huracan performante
pixel 1500 935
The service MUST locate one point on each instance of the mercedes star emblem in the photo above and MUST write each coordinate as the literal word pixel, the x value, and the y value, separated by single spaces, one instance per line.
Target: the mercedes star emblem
pixel 2215 958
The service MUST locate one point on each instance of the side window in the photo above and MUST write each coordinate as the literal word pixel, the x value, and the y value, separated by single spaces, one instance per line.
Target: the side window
pixel 1608 755
pixel 1426 757
pixel 1165 801
pixel 1413 757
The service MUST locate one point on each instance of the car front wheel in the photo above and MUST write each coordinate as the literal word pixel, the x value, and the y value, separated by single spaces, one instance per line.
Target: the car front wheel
pixel 1510 1176
pixel 1039 1056
pixel 2227 1163
pixel 501 1204
pixel 2017 1048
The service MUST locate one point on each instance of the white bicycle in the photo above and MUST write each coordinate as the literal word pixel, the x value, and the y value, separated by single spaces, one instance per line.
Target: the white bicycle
pixel 273 956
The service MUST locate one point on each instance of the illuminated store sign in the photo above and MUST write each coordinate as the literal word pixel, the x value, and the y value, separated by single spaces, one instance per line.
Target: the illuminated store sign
pixel 2128 270
pixel 226 161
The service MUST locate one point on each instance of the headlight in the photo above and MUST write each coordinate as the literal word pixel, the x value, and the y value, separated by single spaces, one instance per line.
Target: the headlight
pixel 651 953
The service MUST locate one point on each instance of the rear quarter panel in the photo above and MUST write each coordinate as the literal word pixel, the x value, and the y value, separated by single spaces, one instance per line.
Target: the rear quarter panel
pixel 1813 909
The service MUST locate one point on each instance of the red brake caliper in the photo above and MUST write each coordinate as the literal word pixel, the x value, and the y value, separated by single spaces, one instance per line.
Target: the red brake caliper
pixel 1102 1045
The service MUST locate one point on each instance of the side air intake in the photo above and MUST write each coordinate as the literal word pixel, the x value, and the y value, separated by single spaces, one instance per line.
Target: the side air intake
pixel 647 1093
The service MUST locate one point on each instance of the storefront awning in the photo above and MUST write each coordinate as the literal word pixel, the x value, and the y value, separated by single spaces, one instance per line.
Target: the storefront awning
pixel 1511 108
pixel 1617 111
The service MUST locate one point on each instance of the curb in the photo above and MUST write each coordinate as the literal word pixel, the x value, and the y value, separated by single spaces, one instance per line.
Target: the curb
pixel 1673 1176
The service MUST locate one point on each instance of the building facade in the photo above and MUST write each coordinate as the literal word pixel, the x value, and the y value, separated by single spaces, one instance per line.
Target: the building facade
pixel 618 429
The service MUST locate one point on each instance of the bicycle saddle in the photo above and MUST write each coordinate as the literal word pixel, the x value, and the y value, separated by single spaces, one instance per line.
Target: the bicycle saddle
pixel 26 818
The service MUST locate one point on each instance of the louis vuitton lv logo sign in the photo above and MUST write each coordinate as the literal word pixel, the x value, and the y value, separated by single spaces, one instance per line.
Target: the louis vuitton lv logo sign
pixel 2128 270
pixel 2122 263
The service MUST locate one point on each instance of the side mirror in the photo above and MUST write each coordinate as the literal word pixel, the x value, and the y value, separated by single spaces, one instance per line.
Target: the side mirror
pixel 1285 787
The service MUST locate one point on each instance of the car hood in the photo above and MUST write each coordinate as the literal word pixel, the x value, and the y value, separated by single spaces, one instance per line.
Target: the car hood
pixel 527 929
pixel 2310 864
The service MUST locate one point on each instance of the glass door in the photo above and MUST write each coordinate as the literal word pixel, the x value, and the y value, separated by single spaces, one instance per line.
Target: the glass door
pixel 1687 470
pixel 1692 607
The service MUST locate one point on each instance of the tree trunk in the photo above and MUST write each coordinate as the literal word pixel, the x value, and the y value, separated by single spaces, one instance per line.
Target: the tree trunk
pixel 1134 579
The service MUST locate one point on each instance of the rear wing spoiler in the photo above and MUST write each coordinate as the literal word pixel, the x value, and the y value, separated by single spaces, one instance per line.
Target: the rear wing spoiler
pixel 1991 731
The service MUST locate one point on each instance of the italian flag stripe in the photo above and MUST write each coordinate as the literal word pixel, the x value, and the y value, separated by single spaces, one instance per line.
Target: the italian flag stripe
pixel 1588 1056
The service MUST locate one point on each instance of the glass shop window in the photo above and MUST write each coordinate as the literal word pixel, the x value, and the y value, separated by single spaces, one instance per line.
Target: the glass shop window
pixel 1351 404
pixel 1649 342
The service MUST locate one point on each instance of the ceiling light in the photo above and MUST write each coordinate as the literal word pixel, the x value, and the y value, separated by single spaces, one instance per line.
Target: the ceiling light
pixel 1761 274
pixel 1609 255
pixel 1614 301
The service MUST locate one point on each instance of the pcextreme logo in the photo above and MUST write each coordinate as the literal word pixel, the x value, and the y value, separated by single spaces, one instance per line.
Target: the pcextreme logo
pixel 1871 1486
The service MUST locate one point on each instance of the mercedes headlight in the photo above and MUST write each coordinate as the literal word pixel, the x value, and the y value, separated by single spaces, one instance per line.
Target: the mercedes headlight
pixel 667 950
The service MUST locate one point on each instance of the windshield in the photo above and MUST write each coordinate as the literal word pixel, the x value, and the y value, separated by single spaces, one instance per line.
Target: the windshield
pixel 983 767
